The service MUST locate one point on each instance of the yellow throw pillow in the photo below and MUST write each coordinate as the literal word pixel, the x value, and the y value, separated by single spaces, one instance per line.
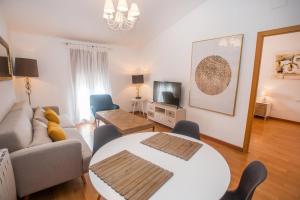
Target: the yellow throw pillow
pixel 56 133
pixel 52 116
pixel 50 124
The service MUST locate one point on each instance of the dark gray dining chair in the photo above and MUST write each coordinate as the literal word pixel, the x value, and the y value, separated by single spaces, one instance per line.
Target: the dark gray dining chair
pixel 103 135
pixel 187 128
pixel 254 174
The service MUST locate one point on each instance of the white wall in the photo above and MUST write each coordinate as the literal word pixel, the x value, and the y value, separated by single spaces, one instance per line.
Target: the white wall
pixel 284 94
pixel 123 63
pixel 169 55
pixel 53 87
pixel 7 93
pixel 3 28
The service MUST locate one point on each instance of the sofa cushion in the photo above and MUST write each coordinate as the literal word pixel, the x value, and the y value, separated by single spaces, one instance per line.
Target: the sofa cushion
pixel 15 131
pixel 72 133
pixel 65 121
pixel 40 133
pixel 24 106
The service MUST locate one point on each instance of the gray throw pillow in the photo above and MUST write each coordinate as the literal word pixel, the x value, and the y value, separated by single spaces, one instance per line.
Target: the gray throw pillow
pixel 25 107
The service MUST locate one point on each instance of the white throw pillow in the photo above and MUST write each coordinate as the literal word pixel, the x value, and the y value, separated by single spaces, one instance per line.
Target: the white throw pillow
pixel 40 116
pixel 40 133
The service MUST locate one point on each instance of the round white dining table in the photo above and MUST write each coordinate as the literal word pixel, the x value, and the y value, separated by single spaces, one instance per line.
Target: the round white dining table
pixel 205 176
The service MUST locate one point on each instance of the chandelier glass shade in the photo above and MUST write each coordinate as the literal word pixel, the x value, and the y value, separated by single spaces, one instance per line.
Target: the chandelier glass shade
pixel 120 18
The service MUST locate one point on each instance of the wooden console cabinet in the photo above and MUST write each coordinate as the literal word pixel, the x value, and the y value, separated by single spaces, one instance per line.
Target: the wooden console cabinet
pixel 165 114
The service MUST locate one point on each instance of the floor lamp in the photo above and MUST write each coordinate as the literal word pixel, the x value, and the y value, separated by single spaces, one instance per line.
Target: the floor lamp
pixel 27 68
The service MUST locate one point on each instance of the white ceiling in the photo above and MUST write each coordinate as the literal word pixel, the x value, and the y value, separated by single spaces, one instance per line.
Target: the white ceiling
pixel 82 19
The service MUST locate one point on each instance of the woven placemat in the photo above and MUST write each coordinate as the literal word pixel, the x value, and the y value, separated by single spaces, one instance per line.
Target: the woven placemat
pixel 173 145
pixel 131 176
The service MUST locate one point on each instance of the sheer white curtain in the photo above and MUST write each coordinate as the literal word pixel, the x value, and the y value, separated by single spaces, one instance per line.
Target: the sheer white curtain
pixel 89 66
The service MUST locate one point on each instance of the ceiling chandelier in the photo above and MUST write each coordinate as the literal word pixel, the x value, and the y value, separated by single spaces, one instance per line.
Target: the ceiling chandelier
pixel 121 18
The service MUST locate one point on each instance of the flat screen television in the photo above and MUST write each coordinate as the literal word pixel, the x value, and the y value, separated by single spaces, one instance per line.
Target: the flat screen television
pixel 167 92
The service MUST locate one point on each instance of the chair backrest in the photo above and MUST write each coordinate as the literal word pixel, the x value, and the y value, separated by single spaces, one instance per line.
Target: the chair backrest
pixel 103 135
pixel 187 128
pixel 254 174
pixel 100 102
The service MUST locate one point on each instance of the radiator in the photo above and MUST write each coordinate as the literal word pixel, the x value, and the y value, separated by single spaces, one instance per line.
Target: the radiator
pixel 7 179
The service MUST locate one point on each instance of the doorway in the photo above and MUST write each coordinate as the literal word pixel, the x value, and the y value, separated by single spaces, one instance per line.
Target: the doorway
pixel 255 78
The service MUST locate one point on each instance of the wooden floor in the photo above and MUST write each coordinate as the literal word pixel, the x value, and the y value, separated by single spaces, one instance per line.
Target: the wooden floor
pixel 275 143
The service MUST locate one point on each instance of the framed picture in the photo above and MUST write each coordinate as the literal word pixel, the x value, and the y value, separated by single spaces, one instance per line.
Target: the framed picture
pixel 215 73
pixel 5 61
pixel 287 65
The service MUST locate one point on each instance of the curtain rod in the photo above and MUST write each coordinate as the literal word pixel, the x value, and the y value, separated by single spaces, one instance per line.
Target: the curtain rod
pixel 88 45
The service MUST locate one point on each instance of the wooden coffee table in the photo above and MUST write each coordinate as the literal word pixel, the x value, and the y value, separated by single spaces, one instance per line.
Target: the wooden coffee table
pixel 124 121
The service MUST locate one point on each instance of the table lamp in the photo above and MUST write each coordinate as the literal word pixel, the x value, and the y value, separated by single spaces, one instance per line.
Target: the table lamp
pixel 27 68
pixel 138 80
pixel 265 95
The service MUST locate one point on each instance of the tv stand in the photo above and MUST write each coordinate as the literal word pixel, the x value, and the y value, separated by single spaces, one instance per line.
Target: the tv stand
pixel 165 114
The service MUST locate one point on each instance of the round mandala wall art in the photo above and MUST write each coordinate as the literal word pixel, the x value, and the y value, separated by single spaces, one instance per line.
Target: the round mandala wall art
pixel 213 75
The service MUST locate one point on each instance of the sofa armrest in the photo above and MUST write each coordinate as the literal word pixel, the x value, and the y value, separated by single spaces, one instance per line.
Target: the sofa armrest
pixel 115 106
pixel 93 110
pixel 40 167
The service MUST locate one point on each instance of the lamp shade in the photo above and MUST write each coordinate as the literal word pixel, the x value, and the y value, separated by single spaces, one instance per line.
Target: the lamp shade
pixel 137 79
pixel 26 67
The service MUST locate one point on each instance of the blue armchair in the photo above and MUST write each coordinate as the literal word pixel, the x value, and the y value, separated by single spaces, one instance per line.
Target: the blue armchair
pixel 101 102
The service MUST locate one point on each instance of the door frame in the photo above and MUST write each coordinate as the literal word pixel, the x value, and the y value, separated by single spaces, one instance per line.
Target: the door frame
pixel 255 76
